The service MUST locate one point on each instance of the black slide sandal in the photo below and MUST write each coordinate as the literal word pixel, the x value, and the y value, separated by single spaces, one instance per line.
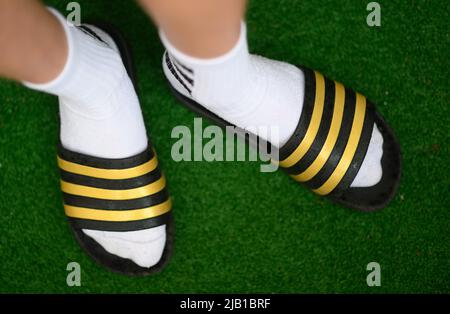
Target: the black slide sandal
pixel 335 121
pixel 126 194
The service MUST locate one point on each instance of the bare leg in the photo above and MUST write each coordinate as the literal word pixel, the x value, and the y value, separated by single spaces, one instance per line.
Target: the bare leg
pixel 32 41
pixel 200 28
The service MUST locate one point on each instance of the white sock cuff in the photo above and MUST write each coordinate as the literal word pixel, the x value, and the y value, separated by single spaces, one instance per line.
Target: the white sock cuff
pixel 53 85
pixel 184 58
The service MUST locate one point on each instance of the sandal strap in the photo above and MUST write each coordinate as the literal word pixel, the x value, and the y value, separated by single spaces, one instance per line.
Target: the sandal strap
pixel 332 136
pixel 124 194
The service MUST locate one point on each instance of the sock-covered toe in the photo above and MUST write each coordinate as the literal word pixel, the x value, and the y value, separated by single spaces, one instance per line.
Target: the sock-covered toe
pixel 371 170
pixel 143 247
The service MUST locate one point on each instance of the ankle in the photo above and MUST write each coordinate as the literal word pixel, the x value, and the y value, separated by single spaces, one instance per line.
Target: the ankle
pixel 92 72
pixel 213 80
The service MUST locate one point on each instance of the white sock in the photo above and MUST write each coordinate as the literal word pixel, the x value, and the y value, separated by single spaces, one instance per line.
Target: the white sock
pixel 254 93
pixel 101 116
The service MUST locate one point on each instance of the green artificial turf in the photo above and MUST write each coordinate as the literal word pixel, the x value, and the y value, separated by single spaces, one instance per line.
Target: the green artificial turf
pixel 239 230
